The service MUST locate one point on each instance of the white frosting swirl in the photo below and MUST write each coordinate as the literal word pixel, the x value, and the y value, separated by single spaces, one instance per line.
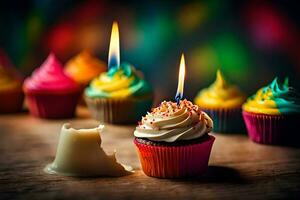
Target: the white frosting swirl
pixel 171 122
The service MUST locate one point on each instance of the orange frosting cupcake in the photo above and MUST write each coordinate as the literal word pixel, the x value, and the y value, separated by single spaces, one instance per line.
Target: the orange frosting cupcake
pixel 84 67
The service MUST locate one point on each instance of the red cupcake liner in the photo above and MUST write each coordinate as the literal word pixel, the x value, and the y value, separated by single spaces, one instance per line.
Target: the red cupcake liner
pixel 175 161
pixel 119 111
pixel 226 120
pixel 52 105
pixel 11 101
pixel 272 129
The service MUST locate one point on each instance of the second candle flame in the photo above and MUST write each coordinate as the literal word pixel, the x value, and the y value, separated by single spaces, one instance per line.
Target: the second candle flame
pixel 179 93
pixel 114 47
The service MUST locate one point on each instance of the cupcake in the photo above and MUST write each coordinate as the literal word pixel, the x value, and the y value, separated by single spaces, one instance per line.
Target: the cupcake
pixel 84 67
pixel 223 101
pixel 119 96
pixel 272 114
pixel 173 142
pixel 49 92
pixel 11 94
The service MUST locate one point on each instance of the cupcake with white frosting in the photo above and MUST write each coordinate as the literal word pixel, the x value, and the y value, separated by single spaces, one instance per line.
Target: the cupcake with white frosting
pixel 173 141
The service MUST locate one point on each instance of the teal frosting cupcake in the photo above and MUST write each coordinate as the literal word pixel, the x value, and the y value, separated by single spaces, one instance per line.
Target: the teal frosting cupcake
pixel 120 95
pixel 273 114
pixel 122 82
pixel 274 99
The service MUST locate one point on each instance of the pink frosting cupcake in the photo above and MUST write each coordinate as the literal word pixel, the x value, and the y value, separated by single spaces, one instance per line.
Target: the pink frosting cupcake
pixel 49 92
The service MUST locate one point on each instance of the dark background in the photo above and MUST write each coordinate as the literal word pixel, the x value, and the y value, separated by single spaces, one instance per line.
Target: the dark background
pixel 251 41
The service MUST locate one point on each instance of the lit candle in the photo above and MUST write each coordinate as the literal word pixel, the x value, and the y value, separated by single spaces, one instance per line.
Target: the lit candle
pixel 179 93
pixel 114 47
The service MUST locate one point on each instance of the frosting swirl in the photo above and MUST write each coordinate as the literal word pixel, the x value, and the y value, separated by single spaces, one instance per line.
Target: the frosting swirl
pixel 170 123
pixel 119 82
pixel 8 80
pixel 220 94
pixel 274 99
pixel 50 77
pixel 84 67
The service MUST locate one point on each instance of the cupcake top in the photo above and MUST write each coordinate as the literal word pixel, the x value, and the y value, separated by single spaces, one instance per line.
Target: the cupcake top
pixel 220 94
pixel 121 82
pixel 8 80
pixel 84 67
pixel 170 122
pixel 274 99
pixel 50 77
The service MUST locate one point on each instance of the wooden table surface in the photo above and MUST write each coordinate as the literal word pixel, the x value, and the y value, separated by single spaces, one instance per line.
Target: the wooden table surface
pixel 238 168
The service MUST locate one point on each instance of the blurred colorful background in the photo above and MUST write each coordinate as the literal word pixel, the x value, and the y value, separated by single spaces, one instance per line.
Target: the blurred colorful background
pixel 250 41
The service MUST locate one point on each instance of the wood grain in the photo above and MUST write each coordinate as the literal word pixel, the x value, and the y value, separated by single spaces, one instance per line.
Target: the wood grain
pixel 238 167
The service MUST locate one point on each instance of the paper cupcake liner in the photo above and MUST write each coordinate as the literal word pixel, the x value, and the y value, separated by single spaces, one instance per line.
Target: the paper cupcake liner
pixel 272 129
pixel 227 120
pixel 52 105
pixel 175 161
pixel 11 101
pixel 118 111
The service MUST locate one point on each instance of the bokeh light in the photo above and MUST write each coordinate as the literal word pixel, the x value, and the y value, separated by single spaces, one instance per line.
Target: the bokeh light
pixel 250 42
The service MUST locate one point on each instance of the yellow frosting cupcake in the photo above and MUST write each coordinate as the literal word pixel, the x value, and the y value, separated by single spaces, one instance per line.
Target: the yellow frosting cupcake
pixel 7 81
pixel 220 94
pixel 274 99
pixel 222 101
pixel 84 67
pixel 272 114
pixel 119 96
pixel 11 95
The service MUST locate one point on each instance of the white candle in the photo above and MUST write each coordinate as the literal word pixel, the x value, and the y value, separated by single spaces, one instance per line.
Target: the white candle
pixel 79 153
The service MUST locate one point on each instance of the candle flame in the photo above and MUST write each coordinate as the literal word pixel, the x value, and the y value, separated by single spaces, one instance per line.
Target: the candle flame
pixel 179 93
pixel 114 47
